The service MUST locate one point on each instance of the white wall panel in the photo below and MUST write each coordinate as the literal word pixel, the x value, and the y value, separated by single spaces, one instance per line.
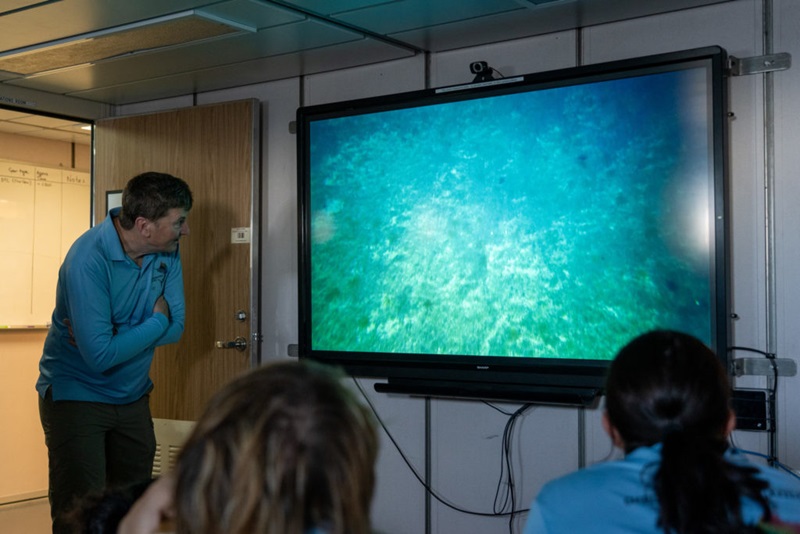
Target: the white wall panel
pixel 363 82
pixel 154 106
pixel 398 506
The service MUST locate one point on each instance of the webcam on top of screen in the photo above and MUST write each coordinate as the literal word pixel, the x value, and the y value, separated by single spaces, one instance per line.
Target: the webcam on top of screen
pixel 482 71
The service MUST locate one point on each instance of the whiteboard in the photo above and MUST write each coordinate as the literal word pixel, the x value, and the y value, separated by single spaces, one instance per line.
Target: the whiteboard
pixel 42 212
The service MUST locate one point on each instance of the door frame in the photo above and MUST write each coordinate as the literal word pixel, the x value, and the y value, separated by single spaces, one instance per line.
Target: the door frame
pixel 256 335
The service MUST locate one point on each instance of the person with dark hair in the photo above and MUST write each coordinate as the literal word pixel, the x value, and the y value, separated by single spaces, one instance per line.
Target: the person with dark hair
pixel 119 295
pixel 668 407
pixel 283 449
pixel 101 513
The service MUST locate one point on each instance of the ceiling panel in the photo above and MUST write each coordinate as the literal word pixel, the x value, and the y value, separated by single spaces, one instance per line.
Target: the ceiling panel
pixel 253 13
pixel 14 5
pixel 490 29
pixel 159 34
pixel 326 7
pixel 17 128
pixel 8 114
pixel 394 17
pixel 171 62
pixel 19 123
pixel 56 20
pixel 294 37
pixel 473 24
pixel 317 60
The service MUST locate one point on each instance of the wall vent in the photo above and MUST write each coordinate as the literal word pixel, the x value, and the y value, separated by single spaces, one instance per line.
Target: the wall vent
pixel 170 437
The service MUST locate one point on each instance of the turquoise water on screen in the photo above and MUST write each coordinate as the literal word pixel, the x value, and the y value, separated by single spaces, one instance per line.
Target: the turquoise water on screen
pixel 558 223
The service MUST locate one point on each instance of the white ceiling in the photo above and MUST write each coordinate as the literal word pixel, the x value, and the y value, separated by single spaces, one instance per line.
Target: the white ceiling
pixel 23 123
pixel 284 38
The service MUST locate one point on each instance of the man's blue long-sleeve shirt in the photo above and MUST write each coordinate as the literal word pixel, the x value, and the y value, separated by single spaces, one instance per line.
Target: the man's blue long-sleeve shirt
pixel 109 302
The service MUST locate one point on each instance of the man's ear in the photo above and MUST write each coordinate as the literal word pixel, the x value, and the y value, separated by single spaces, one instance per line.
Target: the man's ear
pixel 142 225
pixel 612 431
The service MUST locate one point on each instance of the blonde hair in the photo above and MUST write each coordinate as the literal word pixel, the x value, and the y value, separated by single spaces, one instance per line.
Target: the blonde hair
pixel 284 448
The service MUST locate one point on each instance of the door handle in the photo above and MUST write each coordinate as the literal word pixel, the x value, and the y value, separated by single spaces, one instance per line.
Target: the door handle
pixel 239 344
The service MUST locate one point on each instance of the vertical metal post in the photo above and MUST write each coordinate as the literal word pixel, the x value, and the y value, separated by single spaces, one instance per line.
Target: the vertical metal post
pixel 769 206
pixel 428 437
pixel 428 470
pixel 581 411
pixel 581 437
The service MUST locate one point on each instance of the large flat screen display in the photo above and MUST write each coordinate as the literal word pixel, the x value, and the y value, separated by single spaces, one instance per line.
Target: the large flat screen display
pixel 504 239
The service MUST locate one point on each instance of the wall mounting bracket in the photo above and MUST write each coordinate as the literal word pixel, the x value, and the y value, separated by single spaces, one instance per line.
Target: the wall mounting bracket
pixel 764 367
pixel 743 66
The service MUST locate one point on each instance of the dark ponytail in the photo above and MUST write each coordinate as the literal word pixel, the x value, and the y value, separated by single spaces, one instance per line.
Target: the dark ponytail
pixel 669 388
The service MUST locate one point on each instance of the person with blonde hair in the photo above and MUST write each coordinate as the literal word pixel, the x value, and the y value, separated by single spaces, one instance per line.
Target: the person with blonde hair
pixel 286 449
pixel 668 407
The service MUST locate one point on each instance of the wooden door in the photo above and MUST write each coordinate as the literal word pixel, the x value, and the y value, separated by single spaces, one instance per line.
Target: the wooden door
pixel 213 148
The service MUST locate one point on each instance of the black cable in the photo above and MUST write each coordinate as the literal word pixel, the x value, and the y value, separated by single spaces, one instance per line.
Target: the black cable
pixel 749 349
pixel 507 461
pixel 773 414
pixel 772 361
pixel 492 406
pixel 506 464
pixel 413 470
